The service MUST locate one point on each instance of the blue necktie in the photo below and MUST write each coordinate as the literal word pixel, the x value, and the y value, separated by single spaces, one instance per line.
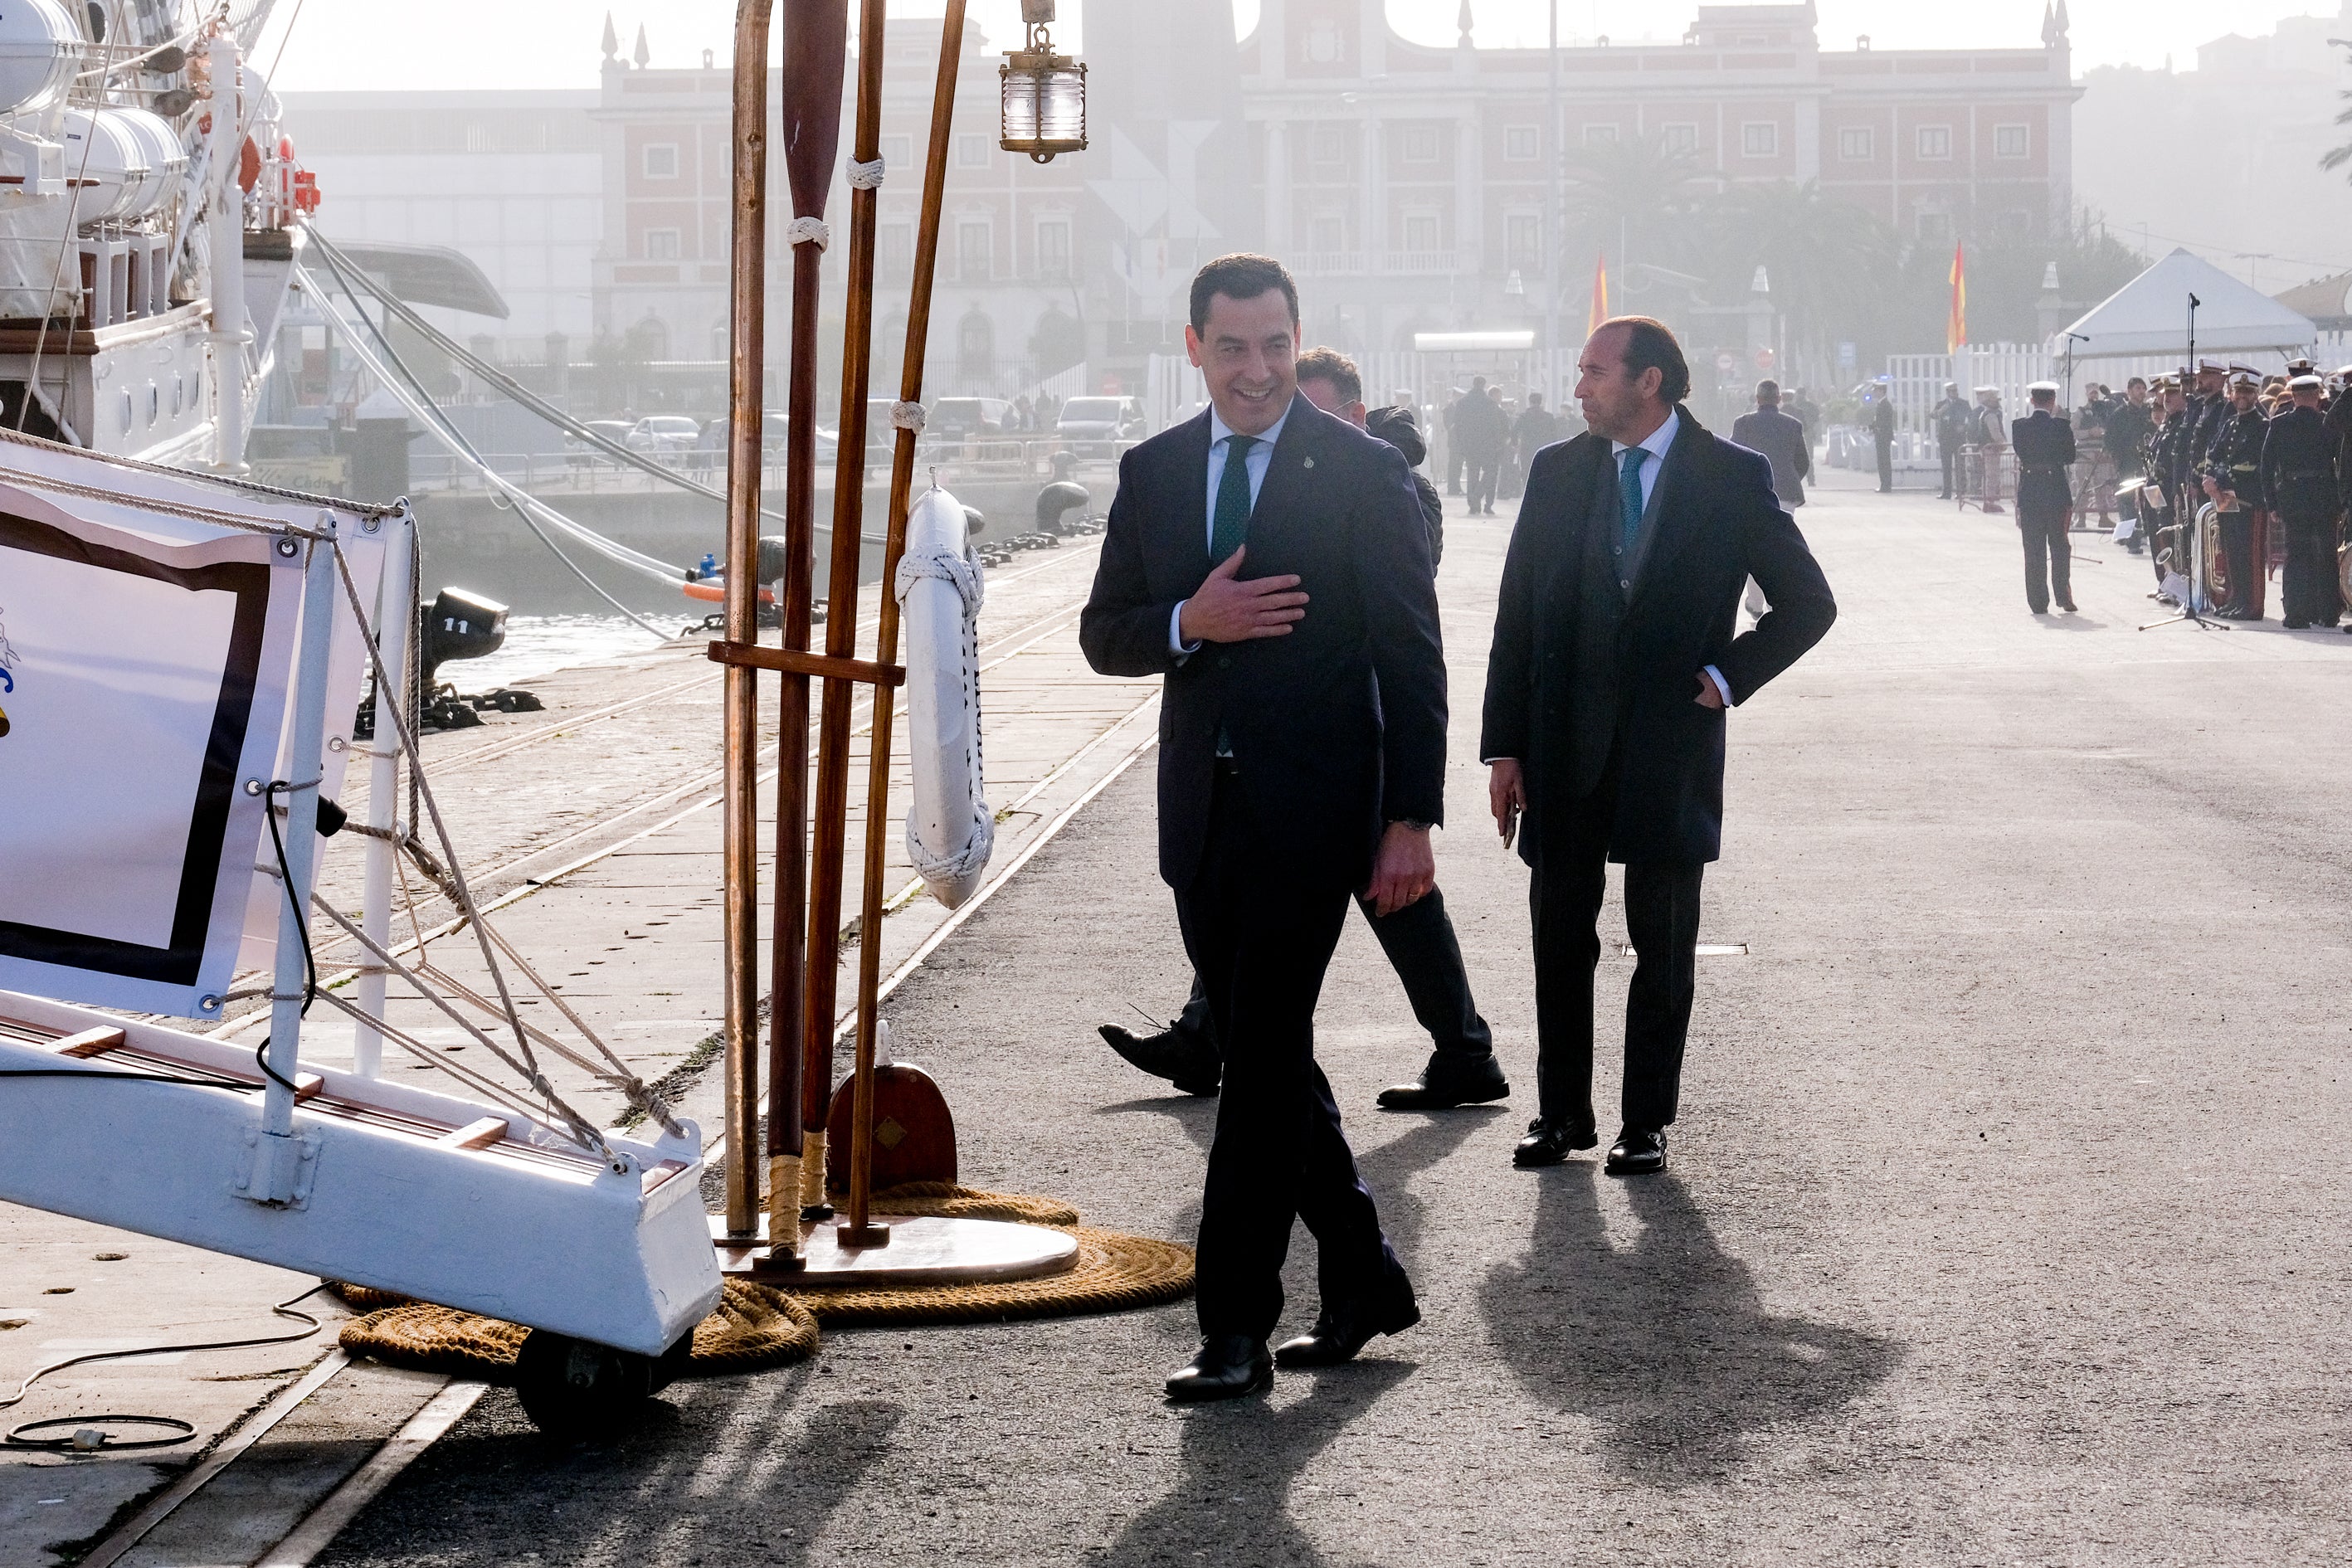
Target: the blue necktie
pixel 1231 525
pixel 1629 493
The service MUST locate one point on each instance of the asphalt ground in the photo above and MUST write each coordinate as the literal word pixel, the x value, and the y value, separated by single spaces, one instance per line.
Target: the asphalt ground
pixel 2002 1223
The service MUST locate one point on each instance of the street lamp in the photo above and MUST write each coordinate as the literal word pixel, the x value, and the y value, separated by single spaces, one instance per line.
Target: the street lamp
pixel 1044 94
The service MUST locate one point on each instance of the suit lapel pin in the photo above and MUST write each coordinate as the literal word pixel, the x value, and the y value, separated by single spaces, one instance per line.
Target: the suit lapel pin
pixel 1310 462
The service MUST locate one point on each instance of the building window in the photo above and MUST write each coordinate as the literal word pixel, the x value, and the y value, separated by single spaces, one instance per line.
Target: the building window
pixel 972 251
pixel 1329 233
pixel 897 250
pixel 1330 146
pixel 1421 144
pixel 2016 223
pixel 1421 229
pixel 898 151
pixel 976 346
pixel 1521 142
pixel 972 151
pixel 1935 141
pixel 661 245
pixel 1601 136
pixel 1854 144
pixel 1760 139
pixel 1053 249
pixel 1678 141
pixel 661 159
pixel 1935 228
pixel 1522 241
pixel 2011 141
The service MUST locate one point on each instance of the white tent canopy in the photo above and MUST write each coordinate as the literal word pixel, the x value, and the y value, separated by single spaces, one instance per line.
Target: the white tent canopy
pixel 2149 315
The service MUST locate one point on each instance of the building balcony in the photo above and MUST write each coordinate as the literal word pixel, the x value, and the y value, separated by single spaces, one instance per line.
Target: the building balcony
pixel 1378 263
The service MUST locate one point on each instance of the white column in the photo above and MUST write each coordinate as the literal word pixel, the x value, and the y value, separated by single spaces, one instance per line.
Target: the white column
pixel 393 623
pixel 1277 187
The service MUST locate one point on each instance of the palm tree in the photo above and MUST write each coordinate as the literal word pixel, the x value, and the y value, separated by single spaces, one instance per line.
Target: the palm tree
pixel 1831 266
pixel 2336 157
pixel 1632 198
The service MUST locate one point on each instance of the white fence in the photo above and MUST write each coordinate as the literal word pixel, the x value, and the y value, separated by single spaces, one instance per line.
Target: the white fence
pixel 1918 380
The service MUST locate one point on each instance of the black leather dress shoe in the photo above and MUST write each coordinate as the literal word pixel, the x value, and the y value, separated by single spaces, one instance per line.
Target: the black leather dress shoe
pixel 1340 1333
pixel 1447 1081
pixel 1166 1055
pixel 1228 1366
pixel 1552 1142
pixel 1638 1152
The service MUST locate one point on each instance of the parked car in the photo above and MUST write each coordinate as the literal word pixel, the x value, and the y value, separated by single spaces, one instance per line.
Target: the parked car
pixel 954 418
pixel 579 454
pixel 659 434
pixel 1091 424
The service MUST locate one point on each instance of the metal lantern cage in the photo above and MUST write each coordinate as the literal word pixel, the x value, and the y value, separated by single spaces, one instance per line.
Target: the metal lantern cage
pixel 1044 94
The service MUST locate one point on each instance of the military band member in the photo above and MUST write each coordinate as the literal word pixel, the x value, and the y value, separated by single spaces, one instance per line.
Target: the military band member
pixel 2046 503
pixel 2234 480
pixel 2298 476
pixel 2169 461
pixel 2128 424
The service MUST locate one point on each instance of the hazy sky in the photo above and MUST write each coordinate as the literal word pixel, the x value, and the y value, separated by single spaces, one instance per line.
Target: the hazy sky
pixel 553 43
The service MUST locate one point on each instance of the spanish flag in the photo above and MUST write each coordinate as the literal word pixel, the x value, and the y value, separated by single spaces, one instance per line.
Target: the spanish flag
pixel 1956 330
pixel 1600 310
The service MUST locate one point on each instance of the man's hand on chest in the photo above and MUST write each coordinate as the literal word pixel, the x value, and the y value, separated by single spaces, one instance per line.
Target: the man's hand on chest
pixel 1227 608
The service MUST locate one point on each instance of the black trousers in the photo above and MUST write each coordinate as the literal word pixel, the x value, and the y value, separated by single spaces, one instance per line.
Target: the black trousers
pixel 1260 942
pixel 1885 463
pixel 2049 555
pixel 1661 917
pixel 1422 948
pixel 1951 460
pixel 2308 582
pixel 1485 468
pixel 2238 550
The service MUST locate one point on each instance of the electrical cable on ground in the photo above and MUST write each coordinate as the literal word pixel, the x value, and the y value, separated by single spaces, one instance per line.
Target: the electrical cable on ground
pixel 15 1438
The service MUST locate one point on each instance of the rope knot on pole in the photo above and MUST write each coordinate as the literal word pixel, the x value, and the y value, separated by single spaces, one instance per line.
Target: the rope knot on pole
pixel 863 176
pixel 808 231
pixel 907 415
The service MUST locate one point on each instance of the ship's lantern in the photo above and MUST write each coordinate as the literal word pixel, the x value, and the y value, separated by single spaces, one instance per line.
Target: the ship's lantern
pixel 1044 94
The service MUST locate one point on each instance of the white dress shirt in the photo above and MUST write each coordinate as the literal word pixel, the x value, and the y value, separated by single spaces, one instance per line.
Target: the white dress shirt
pixel 1258 460
pixel 1656 444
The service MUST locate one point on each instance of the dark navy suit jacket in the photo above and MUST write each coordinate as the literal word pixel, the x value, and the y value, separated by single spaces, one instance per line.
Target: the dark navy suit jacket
pixel 1581 669
pixel 1339 728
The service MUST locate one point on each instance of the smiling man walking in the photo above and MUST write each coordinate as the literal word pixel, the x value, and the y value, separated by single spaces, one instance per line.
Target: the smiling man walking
pixel 1613 661
pixel 1270 561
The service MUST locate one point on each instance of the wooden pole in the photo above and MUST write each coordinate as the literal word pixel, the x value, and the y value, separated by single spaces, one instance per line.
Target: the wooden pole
pixel 816 47
pixel 746 348
pixel 841 601
pixel 877 756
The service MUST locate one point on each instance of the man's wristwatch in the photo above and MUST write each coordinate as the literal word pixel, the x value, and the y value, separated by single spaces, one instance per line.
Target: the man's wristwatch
pixel 1409 822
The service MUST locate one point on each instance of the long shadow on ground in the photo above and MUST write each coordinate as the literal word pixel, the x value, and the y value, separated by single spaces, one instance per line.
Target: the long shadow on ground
pixel 1663 1344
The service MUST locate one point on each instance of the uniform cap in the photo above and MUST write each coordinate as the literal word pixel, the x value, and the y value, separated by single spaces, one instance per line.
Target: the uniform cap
pixel 2216 366
pixel 2244 381
pixel 2305 382
pixel 2049 386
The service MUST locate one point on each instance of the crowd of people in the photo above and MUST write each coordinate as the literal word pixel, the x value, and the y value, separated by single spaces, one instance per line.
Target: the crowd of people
pixel 2272 455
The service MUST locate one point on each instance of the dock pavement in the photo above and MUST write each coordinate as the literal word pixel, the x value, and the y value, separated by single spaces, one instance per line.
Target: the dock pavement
pixel 2001 1224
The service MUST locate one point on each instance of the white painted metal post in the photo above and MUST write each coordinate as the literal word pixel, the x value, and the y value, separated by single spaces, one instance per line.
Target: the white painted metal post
pixel 393 627
pixel 272 1176
pixel 225 228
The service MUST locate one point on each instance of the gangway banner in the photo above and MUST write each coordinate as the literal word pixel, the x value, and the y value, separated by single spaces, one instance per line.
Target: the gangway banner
pixel 143 682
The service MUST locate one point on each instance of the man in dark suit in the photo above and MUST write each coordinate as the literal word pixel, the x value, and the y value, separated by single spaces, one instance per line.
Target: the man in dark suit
pixel 1302 756
pixel 1418 939
pixel 1613 661
pixel 1780 438
pixel 2046 500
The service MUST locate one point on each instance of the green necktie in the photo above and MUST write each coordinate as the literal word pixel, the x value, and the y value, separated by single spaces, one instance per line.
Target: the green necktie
pixel 1232 523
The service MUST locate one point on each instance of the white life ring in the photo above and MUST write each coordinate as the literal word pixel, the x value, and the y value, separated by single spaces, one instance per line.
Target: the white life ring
pixel 950 829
